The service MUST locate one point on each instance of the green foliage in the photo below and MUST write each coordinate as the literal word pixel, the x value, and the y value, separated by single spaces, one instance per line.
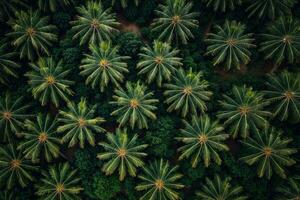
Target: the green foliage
pixel 53 5
pixel 222 5
pixel 124 2
pixel 9 7
pixel 129 43
pixel 289 190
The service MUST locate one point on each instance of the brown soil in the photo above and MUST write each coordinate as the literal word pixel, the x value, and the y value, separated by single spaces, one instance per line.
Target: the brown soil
pixel 127 26
pixel 234 146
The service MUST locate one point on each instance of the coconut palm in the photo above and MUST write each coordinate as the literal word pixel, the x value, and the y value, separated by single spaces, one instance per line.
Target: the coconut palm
pixel 40 138
pixel 12 116
pixel 94 23
pixel 269 8
pixel 8 65
pixel 290 190
pixel 188 93
pixel 269 152
pixel 283 91
pixel 134 105
pixel 230 45
pixel 202 139
pixel 79 124
pixel 47 81
pixel 160 181
pixel 158 62
pixel 282 41
pixel 175 21
pixel 244 111
pixel 60 182
pixel 104 65
pixel 52 5
pixel 124 3
pixel 222 5
pixel 14 168
pixel 32 34
pixel 122 153
pixel 9 7
pixel 218 188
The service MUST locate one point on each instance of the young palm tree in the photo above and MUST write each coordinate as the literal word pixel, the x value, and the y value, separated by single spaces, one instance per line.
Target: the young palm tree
pixel 79 123
pixel 158 62
pixel 104 65
pixel 283 91
pixel 218 188
pixel 52 5
pixel 94 24
pixel 282 41
pixel 188 93
pixel 230 45
pixel 160 181
pixel 222 5
pixel 14 168
pixel 269 8
pixel 269 152
pixel 40 137
pixel 32 34
pixel 47 81
pixel 175 21
pixel 243 111
pixel 12 116
pixel 122 153
pixel 203 139
pixel 124 3
pixel 135 105
pixel 60 182
pixel 8 65
pixel 290 190
pixel 9 7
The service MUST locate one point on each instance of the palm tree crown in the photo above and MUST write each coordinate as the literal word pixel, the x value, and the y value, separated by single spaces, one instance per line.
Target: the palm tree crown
pixel 158 62
pixel 188 93
pixel 122 153
pixel 269 152
pixel 175 21
pixel 14 167
pixel 243 111
pixel 79 123
pixel 40 138
pixel 230 45
pixel 32 34
pixel 9 7
pixel 60 182
pixel 160 181
pixel 47 81
pixel 94 24
pixel 222 5
pixel 203 139
pixel 218 188
pixel 282 41
pixel 104 65
pixel 52 5
pixel 135 105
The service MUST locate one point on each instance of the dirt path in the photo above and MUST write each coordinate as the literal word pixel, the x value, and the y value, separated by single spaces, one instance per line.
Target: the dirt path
pixel 128 26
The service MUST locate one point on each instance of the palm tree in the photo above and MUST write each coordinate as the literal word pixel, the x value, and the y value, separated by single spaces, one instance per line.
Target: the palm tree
pixel 52 5
pixel 40 137
pixel 122 153
pixel 222 5
pixel 159 62
pixel 218 188
pixel 269 152
pixel 282 41
pixel 8 195
pixel 104 65
pixel 290 190
pixel 203 139
pixel 230 45
pixel 160 181
pixel 124 3
pixel 14 168
pixel 60 182
pixel 9 7
pixel 47 81
pixel 94 24
pixel 243 111
pixel 12 115
pixel 188 93
pixel 32 34
pixel 175 21
pixel 135 105
pixel 8 65
pixel 283 91
pixel 79 123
